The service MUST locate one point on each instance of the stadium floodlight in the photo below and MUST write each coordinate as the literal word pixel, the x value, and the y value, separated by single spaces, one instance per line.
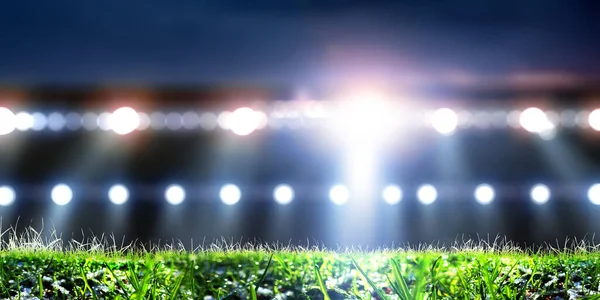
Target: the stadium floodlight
pixel 124 120
pixel 540 194
pixel 392 194
pixel 175 194
pixel 7 121
pixel 594 119
pixel 61 194
pixel 230 194
pixel 444 121
pixel 39 121
pixel 594 194
pixel 118 194
pixel 484 194
pixel 536 121
pixel 243 121
pixel 7 195
pixel 427 194
pixel 339 194
pixel 24 121
pixel 56 121
pixel 283 194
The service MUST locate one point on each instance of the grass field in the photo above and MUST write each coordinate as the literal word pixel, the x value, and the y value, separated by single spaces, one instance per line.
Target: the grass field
pixel 35 267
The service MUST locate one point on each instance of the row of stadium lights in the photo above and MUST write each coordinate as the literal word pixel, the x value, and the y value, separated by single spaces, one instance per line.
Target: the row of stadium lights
pixel 244 121
pixel 283 194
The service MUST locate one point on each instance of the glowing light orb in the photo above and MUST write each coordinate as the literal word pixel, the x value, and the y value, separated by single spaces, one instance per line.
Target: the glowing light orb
pixel 174 194
pixel 7 121
pixel 444 121
pixel 124 120
pixel 594 119
pixel 244 121
pixel 339 194
pixel 283 194
pixel 484 194
pixel 540 194
pixel 230 194
pixel 61 194
pixel 364 118
pixel 7 196
pixel 427 194
pixel 594 194
pixel 118 194
pixel 24 121
pixel 39 121
pixel 536 121
pixel 392 194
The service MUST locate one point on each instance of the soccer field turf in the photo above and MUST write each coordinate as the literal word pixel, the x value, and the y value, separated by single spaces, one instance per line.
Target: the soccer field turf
pixel 34 267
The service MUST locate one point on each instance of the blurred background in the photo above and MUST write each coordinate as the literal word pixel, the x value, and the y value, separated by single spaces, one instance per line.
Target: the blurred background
pixel 330 122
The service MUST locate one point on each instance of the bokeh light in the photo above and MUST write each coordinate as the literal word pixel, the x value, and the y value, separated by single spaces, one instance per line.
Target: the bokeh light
pixel 7 195
pixel 484 194
pixel 230 194
pixel 427 194
pixel 118 194
pixel 124 120
pixel 175 194
pixel 243 121
pixel 540 194
pixel 594 194
pixel 339 194
pixel 7 121
pixel 283 194
pixel 392 194
pixel 444 121
pixel 61 194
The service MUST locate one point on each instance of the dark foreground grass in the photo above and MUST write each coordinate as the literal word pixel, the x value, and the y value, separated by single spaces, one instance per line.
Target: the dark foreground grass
pixel 36 268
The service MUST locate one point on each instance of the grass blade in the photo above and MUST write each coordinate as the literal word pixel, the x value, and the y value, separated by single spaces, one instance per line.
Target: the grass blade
pixel 321 283
pixel 379 292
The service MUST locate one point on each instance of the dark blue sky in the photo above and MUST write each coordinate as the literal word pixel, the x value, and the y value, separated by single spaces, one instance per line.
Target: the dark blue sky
pixel 291 42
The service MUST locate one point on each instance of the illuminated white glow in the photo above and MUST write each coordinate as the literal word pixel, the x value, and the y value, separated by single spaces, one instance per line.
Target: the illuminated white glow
pixel 594 194
pixel 540 194
pixel 7 196
pixel 283 194
pixel 223 120
pixel 104 122
pixel 174 121
pixel 175 194
pixel 158 120
pixel 39 121
pixel 7 121
pixel 144 121
pixel 243 121
pixel 73 121
pixel 209 121
pixel 89 121
pixel 484 194
pixel 24 121
pixel 230 194
pixel 594 119
pixel 339 194
pixel 190 120
pixel 536 121
pixel 61 194
pixel 364 118
pixel 124 120
pixel 392 194
pixel 118 194
pixel 427 194
pixel 263 120
pixel 444 121
pixel 56 121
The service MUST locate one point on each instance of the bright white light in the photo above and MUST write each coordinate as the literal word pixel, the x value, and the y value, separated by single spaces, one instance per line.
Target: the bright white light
pixel 124 120
pixel 243 121
pixel 594 119
pixel 209 121
pixel 175 194
pixel 7 196
pixel 230 194
pixel 536 121
pixel 190 120
pixel 594 194
pixel 339 194
pixel 39 121
pixel 392 194
pixel 144 121
pixel 484 194
pixel 118 194
pixel 364 118
pixel 56 121
pixel 427 194
pixel 174 121
pixel 283 194
pixel 7 121
pixel 104 122
pixel 540 194
pixel 73 121
pixel 444 120
pixel 61 194
pixel 223 120
pixel 24 121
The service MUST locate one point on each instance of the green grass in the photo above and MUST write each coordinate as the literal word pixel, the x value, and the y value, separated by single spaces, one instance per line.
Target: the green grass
pixel 44 268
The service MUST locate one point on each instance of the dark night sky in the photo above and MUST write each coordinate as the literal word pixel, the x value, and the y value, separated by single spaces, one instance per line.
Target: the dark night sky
pixel 291 42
